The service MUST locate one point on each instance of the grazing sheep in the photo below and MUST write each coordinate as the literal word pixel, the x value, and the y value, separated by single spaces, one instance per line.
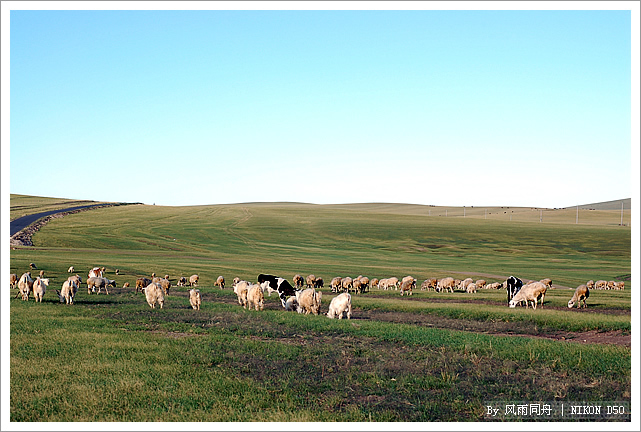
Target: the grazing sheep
pixel 494 285
pixel 529 293
pixel 480 283
pixel 374 283
pixel 445 284
pixel 409 278
pixel 463 284
pixel 341 304
pixel 13 280
pixel 393 282
pixel 154 294
pixel 365 283
pixel 611 285
pixel 235 281
pixel 429 284
pixel 298 281
pixel 165 284
pixel 356 284
pixel 96 284
pixel 590 284
pixel 310 281
pixel 195 298
pixel 581 293
pixel 167 276
pixel 255 297
pixel 193 280
pixel 383 284
pixel 471 288
pixel 620 285
pixel 96 272
pixel 182 281
pixel 125 285
pixel 347 283
pixel 25 285
pixel 600 284
pixel 336 283
pixel 68 291
pixel 42 273
pixel 318 283
pixel 407 285
pixel 39 288
pixel 220 281
pixel 32 266
pixel 309 300
pixel 75 278
pixel 117 271
pixel 71 270
pixel 547 282
pixel 291 304
pixel 241 291
pixel 141 283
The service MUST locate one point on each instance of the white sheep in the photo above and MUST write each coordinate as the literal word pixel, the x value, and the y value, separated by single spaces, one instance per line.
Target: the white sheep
pixel 71 270
pixel 195 299
pixel 471 288
pixel 96 284
pixel 309 300
pixel 445 284
pixel 581 293
pixel 255 297
pixel 339 305
pixel 25 284
pixel 193 280
pixel 464 283
pixel 154 294
pixel 241 292
pixel 291 304
pixel 220 281
pixel 406 286
pixel 40 288
pixel 530 292
pixel 68 291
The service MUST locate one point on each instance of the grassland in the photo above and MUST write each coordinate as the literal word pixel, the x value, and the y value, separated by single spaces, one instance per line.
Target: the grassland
pixel 430 357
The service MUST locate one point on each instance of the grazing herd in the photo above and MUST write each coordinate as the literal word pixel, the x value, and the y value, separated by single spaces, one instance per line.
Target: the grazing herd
pixel 304 296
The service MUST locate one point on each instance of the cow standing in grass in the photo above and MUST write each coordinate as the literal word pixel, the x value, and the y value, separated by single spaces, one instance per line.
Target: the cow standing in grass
pixel 278 284
pixel 514 285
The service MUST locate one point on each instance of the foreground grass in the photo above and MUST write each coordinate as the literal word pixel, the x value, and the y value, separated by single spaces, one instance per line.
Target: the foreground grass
pixel 127 362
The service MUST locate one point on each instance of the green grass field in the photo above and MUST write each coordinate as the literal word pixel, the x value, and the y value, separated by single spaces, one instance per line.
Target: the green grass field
pixel 428 357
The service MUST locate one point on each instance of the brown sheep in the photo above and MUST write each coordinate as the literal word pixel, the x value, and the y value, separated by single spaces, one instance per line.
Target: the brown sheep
pixel 220 281
pixel 310 281
pixel 193 280
pixel 298 281
pixel 142 283
pixel 580 294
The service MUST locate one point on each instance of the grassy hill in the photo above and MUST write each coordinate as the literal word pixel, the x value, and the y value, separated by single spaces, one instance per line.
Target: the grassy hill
pixel 428 357
pixel 329 240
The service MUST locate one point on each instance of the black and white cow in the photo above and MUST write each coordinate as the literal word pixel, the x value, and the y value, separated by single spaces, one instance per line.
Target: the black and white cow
pixel 514 285
pixel 278 284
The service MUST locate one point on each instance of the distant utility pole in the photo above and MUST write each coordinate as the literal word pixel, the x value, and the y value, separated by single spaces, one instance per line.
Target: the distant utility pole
pixel 577 214
pixel 621 213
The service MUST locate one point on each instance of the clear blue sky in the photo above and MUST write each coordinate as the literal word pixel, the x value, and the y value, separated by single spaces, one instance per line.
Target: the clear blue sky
pixel 454 107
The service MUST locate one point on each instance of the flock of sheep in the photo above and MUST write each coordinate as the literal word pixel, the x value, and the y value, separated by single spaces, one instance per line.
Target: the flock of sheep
pixel 303 296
